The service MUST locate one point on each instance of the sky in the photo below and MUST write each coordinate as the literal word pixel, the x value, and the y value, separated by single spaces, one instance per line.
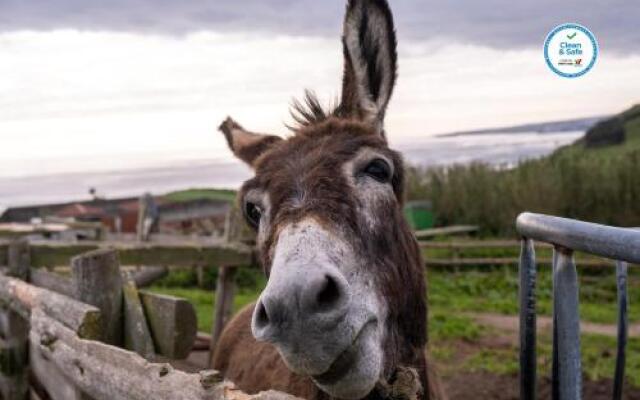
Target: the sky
pixel 98 85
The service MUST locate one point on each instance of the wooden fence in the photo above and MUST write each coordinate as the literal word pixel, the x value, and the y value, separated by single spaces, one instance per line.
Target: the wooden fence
pixel 455 254
pixel 95 335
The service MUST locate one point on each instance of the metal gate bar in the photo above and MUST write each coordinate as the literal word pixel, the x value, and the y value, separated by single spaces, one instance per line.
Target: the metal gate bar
pixel 567 236
pixel 623 329
pixel 527 321
pixel 567 371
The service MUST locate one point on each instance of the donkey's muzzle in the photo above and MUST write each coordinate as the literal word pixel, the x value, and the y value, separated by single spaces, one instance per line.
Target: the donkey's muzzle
pixel 310 297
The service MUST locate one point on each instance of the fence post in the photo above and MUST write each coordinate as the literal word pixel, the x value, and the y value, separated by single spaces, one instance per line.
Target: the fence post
pixel 225 290
pixel 234 230
pixel 97 282
pixel 137 336
pixel 14 333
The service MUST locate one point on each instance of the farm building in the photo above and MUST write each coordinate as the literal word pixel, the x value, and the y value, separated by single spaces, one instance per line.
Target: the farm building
pixel 198 215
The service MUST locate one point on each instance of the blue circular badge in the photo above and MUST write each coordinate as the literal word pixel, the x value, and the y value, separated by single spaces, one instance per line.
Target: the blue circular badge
pixel 570 50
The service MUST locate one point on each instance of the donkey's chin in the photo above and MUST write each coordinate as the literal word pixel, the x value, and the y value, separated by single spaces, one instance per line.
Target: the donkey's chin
pixel 355 372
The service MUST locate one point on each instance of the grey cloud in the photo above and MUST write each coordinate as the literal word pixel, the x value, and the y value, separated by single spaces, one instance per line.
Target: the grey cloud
pixel 498 23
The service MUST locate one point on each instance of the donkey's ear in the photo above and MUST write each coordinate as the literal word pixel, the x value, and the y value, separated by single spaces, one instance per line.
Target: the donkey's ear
pixel 247 146
pixel 370 55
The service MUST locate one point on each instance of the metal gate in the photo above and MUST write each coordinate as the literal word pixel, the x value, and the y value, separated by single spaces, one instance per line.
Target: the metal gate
pixel 567 236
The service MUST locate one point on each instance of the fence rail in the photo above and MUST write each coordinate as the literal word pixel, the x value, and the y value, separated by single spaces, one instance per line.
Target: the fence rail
pixel 178 253
pixel 568 236
pixel 94 335
pixel 457 256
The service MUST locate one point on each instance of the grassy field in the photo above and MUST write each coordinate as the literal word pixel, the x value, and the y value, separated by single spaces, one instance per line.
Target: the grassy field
pixel 198 194
pixel 454 296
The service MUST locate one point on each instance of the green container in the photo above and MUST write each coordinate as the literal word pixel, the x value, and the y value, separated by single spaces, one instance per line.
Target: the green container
pixel 419 214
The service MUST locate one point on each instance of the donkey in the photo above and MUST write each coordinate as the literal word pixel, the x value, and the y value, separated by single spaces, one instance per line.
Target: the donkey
pixel 344 311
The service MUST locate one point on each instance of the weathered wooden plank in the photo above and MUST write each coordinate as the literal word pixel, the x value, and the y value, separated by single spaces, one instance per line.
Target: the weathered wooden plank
pixel 109 373
pixel 14 384
pixel 172 322
pixel 52 281
pixel 471 262
pixel 186 254
pixel 225 290
pixel 19 259
pixel 448 230
pixel 136 332
pixel 22 297
pixel 4 252
pixel 97 281
pixel 50 378
pixel 148 275
pixel 475 244
pixel 14 330
pixel 61 284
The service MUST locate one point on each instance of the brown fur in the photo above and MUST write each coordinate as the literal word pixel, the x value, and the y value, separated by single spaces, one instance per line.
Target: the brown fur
pixel 303 177
pixel 300 176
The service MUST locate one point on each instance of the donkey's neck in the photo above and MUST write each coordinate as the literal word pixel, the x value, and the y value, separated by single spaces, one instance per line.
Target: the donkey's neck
pixel 407 319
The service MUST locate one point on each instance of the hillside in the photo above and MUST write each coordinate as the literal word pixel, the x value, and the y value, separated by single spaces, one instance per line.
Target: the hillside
pixel 571 125
pixel 618 133
pixel 200 194
pixel 598 183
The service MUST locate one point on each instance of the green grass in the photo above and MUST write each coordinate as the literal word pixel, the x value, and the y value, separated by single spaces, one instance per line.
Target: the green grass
pixel 496 289
pixel 198 194
pixel 598 358
pixel 492 289
pixel 203 301
pixel 452 294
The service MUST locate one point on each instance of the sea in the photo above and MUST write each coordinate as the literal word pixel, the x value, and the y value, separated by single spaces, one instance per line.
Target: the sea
pixel 503 150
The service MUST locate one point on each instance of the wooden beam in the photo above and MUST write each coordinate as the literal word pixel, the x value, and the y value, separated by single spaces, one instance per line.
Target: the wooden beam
pixel 148 275
pixel 22 297
pixel 172 322
pixel 97 281
pixel 19 259
pixel 61 284
pixel 225 291
pixel 166 253
pixel 471 262
pixel 52 281
pixel 14 365
pixel 14 361
pixel 109 373
pixel 136 331
pixel 51 379
pixel 448 230
pixel 4 250
pixel 476 244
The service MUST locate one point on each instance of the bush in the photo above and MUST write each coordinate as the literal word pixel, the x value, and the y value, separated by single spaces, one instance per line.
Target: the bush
pixel 574 183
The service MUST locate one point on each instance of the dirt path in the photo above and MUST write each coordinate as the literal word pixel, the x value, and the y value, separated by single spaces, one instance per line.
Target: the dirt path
pixel 511 323
pixel 485 386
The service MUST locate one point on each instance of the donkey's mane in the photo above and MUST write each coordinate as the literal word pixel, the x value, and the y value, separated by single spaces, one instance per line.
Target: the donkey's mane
pixel 309 111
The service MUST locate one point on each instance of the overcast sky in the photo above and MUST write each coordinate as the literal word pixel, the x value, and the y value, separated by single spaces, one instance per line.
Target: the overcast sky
pixel 113 84
pixel 489 22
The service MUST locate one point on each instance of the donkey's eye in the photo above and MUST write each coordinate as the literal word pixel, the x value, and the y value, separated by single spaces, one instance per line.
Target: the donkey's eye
pixel 379 170
pixel 252 213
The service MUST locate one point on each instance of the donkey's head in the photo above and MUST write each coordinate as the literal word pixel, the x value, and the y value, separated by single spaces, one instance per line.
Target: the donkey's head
pixel 344 302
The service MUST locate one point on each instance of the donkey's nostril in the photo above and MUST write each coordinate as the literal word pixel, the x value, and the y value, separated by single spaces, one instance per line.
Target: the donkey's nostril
pixel 262 318
pixel 329 294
